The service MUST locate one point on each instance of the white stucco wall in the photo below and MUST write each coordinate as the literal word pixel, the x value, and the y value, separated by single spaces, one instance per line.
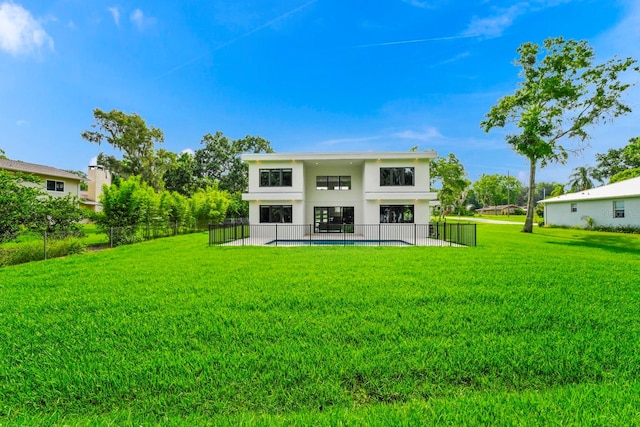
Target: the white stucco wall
pixel 297 174
pixel 372 175
pixel 600 210
pixel 365 196
pixel 319 198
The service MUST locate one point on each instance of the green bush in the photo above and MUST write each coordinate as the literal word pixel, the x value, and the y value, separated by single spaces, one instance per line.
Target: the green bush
pixel 34 251
pixel 628 229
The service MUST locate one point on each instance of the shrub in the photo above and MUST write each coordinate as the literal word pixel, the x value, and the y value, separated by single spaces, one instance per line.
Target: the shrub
pixel 34 251
pixel 590 222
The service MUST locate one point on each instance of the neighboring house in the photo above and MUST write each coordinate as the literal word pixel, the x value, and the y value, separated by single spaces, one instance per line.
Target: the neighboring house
pixel 55 182
pixel 58 183
pixel 498 210
pixel 98 176
pixel 615 204
pixel 328 191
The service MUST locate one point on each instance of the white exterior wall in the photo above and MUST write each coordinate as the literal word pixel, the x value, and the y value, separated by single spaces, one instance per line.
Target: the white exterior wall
pixel 276 195
pixel 365 196
pixel 417 195
pixel 319 198
pixel 600 210
pixel 372 175
pixel 297 173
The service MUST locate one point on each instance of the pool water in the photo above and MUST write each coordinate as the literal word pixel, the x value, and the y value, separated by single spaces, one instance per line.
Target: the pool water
pixel 336 242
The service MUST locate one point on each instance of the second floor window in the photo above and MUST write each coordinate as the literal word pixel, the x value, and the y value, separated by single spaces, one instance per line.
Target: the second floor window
pixel 275 177
pixel 55 185
pixel 333 183
pixel 397 177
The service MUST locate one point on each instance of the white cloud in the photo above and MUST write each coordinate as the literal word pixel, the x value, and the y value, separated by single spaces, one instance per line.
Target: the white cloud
pixel 21 122
pixel 188 151
pixel 423 135
pixel 115 12
pixel 141 21
pixel 493 26
pixel 417 3
pixel 20 33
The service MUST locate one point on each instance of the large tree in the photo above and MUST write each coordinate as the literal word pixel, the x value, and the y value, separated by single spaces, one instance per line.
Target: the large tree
pixel 130 134
pixel 180 176
pixel 492 190
pixel 219 160
pixel 562 93
pixel 453 182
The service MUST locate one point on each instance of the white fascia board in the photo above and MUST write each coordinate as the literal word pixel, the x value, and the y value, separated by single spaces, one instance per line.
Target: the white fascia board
pixel 401 196
pixel 404 155
pixel 272 196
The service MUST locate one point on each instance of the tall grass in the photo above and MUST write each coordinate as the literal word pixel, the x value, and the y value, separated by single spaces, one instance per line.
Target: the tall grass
pixel 524 329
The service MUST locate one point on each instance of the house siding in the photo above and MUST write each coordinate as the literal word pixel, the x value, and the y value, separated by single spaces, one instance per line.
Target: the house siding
pixel 600 210
pixel 70 186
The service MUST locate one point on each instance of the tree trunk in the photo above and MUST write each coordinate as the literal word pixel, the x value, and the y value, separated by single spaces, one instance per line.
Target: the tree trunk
pixel 528 223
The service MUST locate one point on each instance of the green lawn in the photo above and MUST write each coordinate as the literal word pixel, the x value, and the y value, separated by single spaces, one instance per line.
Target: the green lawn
pixel 521 330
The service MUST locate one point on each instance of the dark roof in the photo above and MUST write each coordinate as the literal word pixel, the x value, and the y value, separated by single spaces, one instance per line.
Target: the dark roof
pixel 32 168
pixel 498 207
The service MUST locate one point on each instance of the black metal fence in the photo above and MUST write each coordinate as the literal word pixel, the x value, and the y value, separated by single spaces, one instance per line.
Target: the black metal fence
pixel 434 234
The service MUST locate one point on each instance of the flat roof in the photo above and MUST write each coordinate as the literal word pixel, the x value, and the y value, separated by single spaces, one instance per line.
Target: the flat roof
pixel 386 155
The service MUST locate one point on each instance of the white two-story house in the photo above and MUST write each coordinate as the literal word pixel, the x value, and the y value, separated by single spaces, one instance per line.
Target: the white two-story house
pixel 328 192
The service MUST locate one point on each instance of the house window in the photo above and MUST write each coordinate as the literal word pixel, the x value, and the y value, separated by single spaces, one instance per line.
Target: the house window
pixel 396 213
pixel 574 207
pixel 275 177
pixel 333 183
pixel 275 214
pixel 55 185
pixel 397 176
pixel 618 209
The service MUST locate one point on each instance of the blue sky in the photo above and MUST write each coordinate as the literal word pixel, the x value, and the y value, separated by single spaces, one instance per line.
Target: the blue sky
pixel 309 76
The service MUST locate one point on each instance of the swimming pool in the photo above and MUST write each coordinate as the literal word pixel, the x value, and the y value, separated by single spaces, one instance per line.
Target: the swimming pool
pixel 337 242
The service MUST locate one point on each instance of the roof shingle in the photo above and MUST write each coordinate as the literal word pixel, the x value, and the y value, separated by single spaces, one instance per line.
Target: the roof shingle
pixel 32 168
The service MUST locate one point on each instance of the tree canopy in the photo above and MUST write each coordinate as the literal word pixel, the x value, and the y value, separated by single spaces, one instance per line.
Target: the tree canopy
pixel 130 134
pixel 492 190
pixel 219 160
pixel 617 160
pixel 453 182
pixel 562 93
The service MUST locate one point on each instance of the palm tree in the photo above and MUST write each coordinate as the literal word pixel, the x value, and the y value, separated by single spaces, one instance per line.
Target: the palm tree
pixel 580 179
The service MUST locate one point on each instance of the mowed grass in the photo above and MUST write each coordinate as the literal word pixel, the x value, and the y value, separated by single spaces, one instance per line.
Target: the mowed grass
pixel 521 330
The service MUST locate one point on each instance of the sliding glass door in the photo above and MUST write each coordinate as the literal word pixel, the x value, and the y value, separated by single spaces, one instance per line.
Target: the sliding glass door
pixel 333 219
